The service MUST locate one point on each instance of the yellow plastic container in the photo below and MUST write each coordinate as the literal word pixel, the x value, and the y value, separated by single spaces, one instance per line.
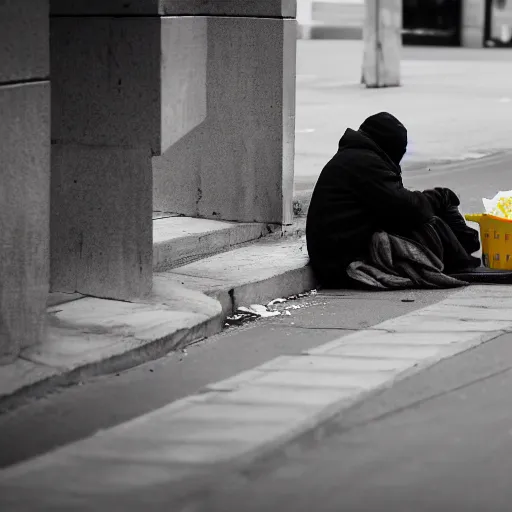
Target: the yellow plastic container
pixel 496 237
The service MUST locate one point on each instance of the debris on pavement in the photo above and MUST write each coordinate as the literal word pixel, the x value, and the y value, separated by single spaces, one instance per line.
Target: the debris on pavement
pixel 259 310
pixel 276 301
pixel 276 307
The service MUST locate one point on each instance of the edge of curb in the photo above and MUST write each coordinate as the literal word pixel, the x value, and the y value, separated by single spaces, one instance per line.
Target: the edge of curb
pixel 297 280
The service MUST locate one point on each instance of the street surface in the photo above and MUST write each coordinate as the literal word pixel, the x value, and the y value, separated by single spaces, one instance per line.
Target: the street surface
pixel 78 412
pixel 439 440
pixel 455 102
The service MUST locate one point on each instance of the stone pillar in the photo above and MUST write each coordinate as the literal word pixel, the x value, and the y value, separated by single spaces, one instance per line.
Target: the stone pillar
pixel 120 97
pixel 382 36
pixel 24 174
pixel 237 164
pixel 473 23
pixel 305 18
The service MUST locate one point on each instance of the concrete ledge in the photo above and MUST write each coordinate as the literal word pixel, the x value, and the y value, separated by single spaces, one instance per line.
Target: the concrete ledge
pixel 267 8
pixel 88 336
pixel 181 240
pixel 254 274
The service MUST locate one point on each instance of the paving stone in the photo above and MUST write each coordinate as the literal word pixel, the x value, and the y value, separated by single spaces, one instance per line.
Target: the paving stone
pixel 311 379
pixel 285 396
pixel 469 313
pixel 239 412
pixel 480 302
pixel 433 324
pixel 328 364
pixel 414 338
pixel 412 353
pixel 237 380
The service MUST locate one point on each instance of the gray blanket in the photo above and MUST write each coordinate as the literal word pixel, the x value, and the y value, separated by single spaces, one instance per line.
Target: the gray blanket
pixel 395 263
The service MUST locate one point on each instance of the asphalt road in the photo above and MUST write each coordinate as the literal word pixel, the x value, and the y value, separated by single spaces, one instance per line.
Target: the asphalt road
pixel 438 441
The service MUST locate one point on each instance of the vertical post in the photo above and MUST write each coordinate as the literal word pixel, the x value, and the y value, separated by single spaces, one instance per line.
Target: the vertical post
pixel 382 35
pixel 475 23
pixel 24 174
pixel 305 18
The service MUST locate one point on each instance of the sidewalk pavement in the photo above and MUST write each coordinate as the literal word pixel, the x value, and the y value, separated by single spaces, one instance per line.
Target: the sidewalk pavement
pixel 171 456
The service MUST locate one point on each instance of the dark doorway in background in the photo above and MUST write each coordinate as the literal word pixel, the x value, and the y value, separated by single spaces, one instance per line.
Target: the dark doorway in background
pixel 432 22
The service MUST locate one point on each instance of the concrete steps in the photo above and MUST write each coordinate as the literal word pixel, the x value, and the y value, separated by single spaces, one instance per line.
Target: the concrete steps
pixel 181 240
pixel 88 336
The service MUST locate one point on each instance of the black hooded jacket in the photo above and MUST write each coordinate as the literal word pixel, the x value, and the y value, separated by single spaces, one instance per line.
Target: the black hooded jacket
pixel 359 192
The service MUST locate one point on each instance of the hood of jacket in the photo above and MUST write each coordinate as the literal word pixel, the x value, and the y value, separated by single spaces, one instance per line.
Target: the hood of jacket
pixel 388 133
pixel 353 139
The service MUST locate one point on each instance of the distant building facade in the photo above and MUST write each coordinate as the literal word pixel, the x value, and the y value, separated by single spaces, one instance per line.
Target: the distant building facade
pixel 467 23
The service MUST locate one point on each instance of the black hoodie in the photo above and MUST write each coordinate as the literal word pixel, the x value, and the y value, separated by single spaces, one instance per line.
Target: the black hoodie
pixel 359 192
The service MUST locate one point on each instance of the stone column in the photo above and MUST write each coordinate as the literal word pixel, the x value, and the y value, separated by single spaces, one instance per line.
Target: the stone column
pixel 121 73
pixel 24 174
pixel 382 36
pixel 305 18
pixel 473 23
pixel 237 164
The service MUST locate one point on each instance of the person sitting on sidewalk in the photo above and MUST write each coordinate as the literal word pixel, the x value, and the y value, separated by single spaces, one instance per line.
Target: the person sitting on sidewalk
pixel 360 193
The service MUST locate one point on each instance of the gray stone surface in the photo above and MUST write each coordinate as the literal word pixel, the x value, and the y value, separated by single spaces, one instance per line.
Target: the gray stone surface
pixel 225 426
pixel 267 8
pixel 179 240
pixel 106 81
pixel 102 247
pixel 237 165
pixel 90 336
pixel 248 275
pixel 24 214
pixel 184 48
pixel 439 441
pixel 20 374
pixel 105 402
pixel 88 330
pixel 24 40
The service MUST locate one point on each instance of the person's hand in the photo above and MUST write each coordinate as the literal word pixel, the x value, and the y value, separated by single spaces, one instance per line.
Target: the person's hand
pixel 442 198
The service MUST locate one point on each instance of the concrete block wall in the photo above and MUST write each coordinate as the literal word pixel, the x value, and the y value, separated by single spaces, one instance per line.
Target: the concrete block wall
pixel 24 174
pixel 237 164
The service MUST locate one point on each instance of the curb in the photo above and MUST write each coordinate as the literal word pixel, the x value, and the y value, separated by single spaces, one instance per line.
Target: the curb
pixel 51 379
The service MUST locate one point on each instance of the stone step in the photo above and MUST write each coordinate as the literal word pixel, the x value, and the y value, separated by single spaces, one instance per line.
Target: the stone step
pixel 254 274
pixel 88 336
pixel 181 240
